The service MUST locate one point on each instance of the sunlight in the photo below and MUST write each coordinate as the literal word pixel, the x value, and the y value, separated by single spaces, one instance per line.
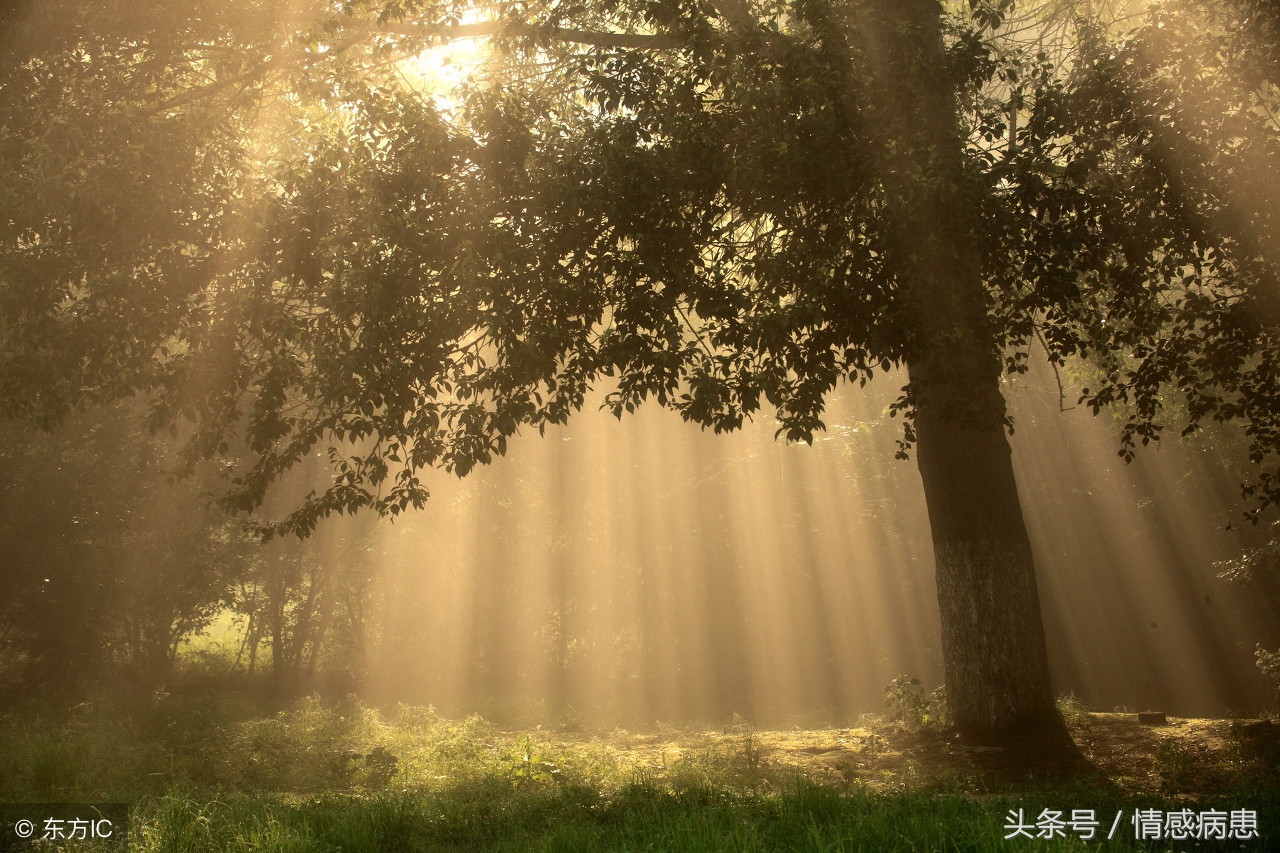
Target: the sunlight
pixel 442 69
pixel 641 570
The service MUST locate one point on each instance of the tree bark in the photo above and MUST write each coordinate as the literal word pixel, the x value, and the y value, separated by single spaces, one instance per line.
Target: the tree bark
pixel 993 648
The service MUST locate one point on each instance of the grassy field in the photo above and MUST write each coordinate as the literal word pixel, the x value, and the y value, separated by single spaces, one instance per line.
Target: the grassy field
pixel 224 771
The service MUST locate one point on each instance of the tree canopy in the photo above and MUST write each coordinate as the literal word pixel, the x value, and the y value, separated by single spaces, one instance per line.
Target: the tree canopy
pixel 269 227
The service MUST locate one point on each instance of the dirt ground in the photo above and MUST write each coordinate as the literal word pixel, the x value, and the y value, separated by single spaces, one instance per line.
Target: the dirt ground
pixel 1185 757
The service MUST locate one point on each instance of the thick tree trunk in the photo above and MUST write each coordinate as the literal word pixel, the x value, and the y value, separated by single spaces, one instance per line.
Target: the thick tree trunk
pixel 997 671
pixel 993 648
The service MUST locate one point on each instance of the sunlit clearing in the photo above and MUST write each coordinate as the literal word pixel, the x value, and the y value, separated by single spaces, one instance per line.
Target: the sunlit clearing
pixel 1134 612
pixel 644 571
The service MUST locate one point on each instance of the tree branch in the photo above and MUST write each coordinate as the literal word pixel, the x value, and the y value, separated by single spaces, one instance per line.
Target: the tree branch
pixel 738 15
pixel 488 29
pixel 482 29
pixel 257 72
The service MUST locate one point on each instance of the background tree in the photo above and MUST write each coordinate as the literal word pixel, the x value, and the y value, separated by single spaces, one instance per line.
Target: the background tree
pixel 306 604
pixel 109 567
pixel 106 566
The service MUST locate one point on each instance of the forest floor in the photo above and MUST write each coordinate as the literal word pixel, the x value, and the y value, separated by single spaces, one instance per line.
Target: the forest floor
pixel 225 771
pixel 1181 757
pixel 1186 756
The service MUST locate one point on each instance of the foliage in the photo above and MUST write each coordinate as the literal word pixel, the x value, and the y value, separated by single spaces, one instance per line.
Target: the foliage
pixel 307 605
pixel 122 143
pixel 1261 563
pixel 110 566
pixel 1074 714
pixel 221 772
pixel 1269 664
pixel 107 566
pixel 1254 562
pixel 1169 282
pixel 326 260
pixel 906 702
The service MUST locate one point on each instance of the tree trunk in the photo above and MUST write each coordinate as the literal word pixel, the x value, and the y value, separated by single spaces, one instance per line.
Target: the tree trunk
pixel 993 648
pixel 994 657
pixel 281 669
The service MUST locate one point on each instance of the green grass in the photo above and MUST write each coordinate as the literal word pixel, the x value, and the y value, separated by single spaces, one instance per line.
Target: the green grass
pixel 493 816
pixel 225 772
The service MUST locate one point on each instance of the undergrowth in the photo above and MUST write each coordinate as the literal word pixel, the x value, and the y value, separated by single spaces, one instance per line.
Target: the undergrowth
pixel 224 772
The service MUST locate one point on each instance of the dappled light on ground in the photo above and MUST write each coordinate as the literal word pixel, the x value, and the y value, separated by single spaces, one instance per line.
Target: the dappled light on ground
pixel 205 744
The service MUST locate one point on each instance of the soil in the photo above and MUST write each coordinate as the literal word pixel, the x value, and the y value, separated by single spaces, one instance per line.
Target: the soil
pixel 1183 757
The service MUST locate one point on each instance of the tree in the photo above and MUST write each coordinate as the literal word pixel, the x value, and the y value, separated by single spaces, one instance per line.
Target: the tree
pixel 712 206
pixel 106 567
pixel 307 602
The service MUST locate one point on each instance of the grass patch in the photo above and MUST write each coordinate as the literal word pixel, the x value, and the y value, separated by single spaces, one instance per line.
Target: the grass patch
pixel 642 816
pixel 226 772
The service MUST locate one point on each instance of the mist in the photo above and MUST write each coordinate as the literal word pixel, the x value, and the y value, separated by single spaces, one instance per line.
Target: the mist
pixel 633 571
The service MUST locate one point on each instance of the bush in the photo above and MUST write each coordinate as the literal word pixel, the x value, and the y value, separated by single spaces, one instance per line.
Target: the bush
pixel 907 703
